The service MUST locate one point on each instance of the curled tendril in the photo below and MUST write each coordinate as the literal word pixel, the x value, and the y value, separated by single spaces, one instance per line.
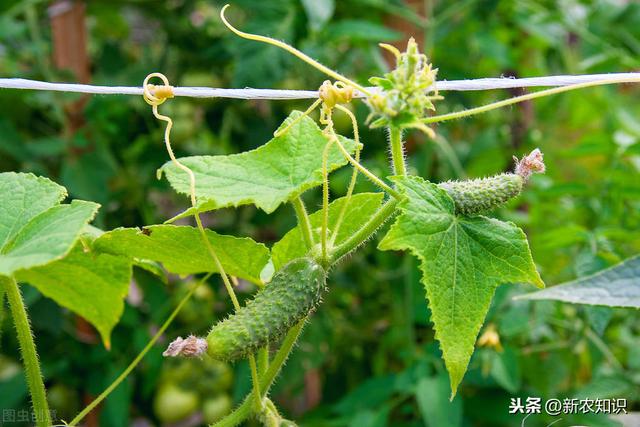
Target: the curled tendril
pixel 156 95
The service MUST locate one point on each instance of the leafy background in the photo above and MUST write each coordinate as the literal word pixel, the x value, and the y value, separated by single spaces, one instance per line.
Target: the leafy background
pixel 368 358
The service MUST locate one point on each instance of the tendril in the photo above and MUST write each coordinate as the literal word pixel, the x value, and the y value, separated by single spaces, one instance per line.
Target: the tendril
pixel 155 96
pixel 292 50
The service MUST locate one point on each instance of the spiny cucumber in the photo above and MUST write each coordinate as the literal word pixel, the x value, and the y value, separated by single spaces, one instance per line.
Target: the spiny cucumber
pixel 293 292
pixel 477 196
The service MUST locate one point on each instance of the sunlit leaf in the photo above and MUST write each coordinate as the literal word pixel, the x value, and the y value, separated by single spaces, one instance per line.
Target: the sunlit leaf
pixel 90 284
pixel 181 250
pixel 463 260
pixel 268 176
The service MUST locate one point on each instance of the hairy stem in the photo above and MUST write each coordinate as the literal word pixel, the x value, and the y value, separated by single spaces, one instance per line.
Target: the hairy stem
pixel 139 357
pixel 397 151
pixel 517 99
pixel 243 411
pixel 366 231
pixel 303 221
pixel 377 181
pixel 263 359
pixel 256 383
pixel 28 350
pixel 354 175
pixel 324 234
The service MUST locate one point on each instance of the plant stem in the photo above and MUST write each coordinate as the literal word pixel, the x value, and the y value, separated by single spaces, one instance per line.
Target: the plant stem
pixel 243 411
pixel 397 152
pixel 139 357
pixel 354 175
pixel 303 221
pixel 515 100
pixel 256 383
pixel 377 181
pixel 263 359
pixel 366 231
pixel 324 234
pixel 28 350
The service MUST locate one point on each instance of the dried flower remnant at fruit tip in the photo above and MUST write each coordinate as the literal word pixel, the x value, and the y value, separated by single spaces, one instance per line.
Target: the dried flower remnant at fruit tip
pixel 191 346
pixel 530 164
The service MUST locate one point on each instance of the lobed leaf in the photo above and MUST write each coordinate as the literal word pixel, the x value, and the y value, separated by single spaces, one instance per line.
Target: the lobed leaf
pixel 181 250
pixel 35 229
pixel 90 284
pixel 617 286
pixel 23 196
pixel 359 209
pixel 463 259
pixel 268 176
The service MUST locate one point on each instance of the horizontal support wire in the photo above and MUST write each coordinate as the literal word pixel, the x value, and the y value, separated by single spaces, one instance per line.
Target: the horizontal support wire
pixel 277 94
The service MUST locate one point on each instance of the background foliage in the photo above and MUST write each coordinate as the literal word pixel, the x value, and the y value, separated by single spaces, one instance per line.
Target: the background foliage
pixel 368 358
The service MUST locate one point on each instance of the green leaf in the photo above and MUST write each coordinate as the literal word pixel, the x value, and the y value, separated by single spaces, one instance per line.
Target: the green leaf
pixel 360 208
pixel 618 286
pixel 23 196
pixel 436 410
pixel 361 30
pixel 34 228
pixel 90 284
pixel 268 176
pixel 505 369
pixel 463 259
pixel 181 250
pixel 319 12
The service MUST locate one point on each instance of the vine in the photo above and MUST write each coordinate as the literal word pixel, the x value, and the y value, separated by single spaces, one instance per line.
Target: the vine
pixel 427 218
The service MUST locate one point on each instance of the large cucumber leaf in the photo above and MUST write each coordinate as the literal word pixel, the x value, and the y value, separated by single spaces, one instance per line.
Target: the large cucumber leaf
pixel 181 250
pixel 34 228
pixel 463 259
pixel 617 286
pixel 37 237
pixel 268 176
pixel 90 284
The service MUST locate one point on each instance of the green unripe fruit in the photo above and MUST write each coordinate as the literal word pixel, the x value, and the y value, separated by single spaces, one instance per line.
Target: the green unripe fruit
pixel 477 196
pixel 173 404
pixel 293 292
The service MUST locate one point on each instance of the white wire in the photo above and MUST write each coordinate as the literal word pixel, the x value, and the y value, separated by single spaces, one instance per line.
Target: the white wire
pixel 250 93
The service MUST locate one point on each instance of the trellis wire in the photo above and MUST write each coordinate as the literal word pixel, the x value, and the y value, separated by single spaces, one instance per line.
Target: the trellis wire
pixel 278 94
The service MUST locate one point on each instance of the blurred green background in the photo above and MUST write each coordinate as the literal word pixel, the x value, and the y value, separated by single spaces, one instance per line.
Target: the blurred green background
pixel 368 358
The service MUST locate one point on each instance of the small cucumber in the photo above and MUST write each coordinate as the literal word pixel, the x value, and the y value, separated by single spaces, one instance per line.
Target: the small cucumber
pixel 294 291
pixel 476 196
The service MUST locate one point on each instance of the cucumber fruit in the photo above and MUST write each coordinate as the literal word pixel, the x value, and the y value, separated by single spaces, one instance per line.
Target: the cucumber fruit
pixel 476 196
pixel 294 291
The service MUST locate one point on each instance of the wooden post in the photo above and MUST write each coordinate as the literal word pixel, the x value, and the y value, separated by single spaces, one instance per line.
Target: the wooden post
pixel 69 35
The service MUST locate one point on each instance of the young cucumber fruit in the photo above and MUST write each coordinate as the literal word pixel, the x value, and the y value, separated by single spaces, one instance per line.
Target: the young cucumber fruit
pixel 476 196
pixel 294 291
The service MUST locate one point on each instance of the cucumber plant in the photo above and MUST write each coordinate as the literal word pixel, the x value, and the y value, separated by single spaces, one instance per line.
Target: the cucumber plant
pixel 464 255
